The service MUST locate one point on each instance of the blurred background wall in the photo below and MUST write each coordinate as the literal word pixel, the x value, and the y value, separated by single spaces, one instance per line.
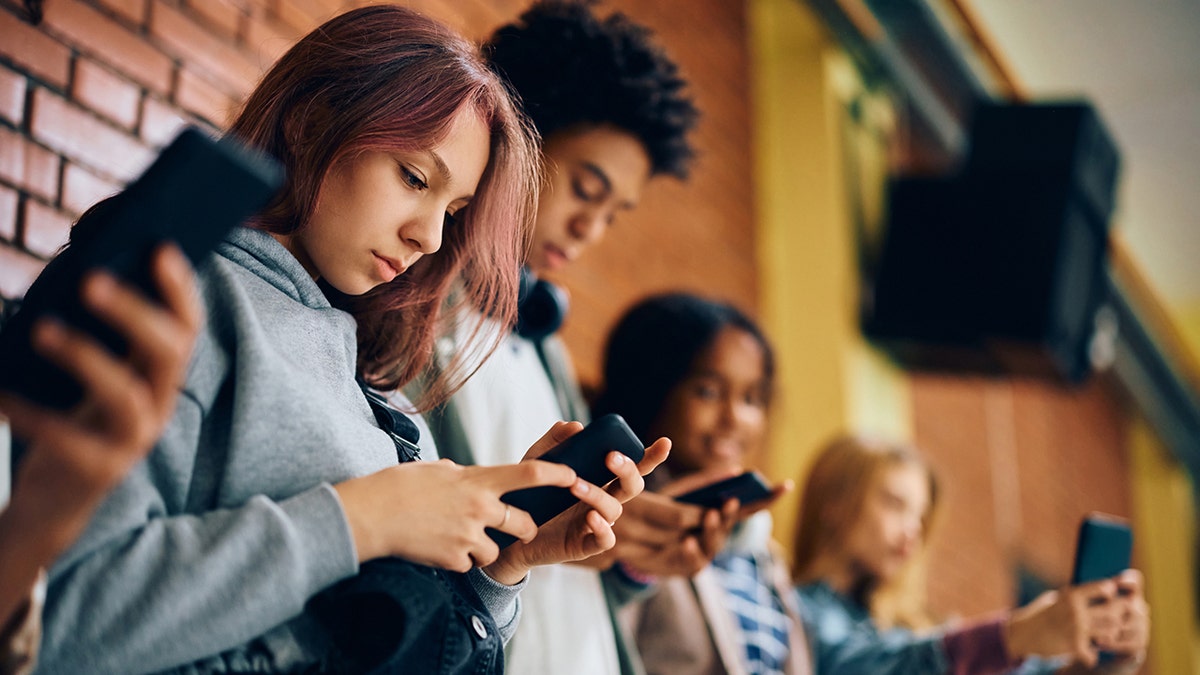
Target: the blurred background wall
pixel 794 148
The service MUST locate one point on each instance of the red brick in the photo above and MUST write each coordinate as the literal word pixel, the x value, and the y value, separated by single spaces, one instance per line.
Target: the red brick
pixel 12 96
pixel 222 16
pixel 196 95
pixel 198 47
pixel 313 12
pixel 133 10
pixel 1064 454
pixel 84 138
pixel 269 38
pixel 32 49
pixel 160 122
pixel 301 17
pixel 9 200
pixel 46 230
pixel 28 165
pixel 12 156
pixel 110 95
pixel 82 188
pixel 41 171
pixel 111 42
pixel 17 272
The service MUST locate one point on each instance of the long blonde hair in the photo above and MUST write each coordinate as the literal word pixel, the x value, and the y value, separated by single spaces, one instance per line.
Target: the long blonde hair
pixel 834 494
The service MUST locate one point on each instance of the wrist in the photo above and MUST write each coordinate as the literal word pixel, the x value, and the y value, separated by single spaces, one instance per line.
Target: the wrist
pixel 366 546
pixel 38 528
pixel 506 570
pixel 1015 635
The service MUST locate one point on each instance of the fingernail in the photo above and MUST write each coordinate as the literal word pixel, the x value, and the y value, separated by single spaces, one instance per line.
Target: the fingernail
pixel 100 287
pixel 50 332
pixel 621 459
pixel 582 485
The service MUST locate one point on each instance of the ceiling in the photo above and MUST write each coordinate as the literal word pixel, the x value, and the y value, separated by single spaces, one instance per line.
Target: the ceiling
pixel 1139 64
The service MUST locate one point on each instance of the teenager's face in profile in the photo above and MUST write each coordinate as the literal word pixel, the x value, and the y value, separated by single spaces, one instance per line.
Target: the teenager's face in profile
pixel 890 528
pixel 592 174
pixel 379 212
pixel 717 416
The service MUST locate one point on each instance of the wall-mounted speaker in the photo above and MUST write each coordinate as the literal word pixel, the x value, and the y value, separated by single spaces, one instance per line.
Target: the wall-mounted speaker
pixel 998 269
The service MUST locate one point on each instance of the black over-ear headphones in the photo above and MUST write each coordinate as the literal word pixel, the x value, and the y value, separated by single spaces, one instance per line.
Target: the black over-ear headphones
pixel 541 307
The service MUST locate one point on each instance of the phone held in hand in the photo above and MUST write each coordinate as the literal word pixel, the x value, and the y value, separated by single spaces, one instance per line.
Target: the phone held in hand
pixel 1104 548
pixel 747 488
pixel 585 453
pixel 192 194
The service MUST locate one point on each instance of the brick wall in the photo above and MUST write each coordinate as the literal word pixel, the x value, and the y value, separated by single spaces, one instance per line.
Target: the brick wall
pixel 1021 462
pixel 88 95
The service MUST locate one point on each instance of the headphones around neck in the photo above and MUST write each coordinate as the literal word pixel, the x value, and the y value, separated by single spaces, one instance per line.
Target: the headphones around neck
pixel 541 307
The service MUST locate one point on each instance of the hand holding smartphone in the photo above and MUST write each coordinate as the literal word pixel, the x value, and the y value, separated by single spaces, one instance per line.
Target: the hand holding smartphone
pixel 194 192
pixel 747 488
pixel 585 453
pixel 1104 548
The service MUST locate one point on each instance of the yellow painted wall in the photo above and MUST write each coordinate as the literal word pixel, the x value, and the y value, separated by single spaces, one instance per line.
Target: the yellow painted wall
pixel 1188 315
pixel 1165 529
pixel 829 380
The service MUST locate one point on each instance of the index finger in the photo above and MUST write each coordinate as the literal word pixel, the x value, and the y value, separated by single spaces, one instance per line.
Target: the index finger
pixel 525 474
pixel 664 513
pixel 1129 582
pixel 556 434
pixel 655 454
pixel 1096 592
pixel 177 286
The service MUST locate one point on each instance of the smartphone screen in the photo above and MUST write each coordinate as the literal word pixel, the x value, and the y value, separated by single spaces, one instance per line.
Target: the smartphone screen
pixel 1104 548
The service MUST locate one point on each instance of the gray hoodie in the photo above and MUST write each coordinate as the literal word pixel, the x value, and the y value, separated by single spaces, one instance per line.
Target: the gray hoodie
pixel 231 524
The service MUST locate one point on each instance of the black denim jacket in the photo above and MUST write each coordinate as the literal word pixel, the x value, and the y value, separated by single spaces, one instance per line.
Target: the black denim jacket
pixel 396 616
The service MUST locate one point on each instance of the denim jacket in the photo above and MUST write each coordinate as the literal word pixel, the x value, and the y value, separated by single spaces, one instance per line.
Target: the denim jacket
pixel 845 641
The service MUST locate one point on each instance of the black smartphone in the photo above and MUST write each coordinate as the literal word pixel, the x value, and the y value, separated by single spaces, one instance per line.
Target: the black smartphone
pixel 193 193
pixel 1104 548
pixel 584 452
pixel 747 488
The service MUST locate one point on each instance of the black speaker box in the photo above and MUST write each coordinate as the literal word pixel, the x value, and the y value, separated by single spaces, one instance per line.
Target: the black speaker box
pixel 999 268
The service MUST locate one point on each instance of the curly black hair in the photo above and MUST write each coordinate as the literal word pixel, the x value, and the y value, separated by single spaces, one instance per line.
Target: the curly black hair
pixel 570 67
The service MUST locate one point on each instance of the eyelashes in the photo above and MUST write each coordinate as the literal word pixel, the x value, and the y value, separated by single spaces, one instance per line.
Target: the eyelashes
pixel 588 189
pixel 415 182
pixel 411 179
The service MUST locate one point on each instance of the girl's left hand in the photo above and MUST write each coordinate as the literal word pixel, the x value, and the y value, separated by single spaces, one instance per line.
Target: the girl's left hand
pixel 585 529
